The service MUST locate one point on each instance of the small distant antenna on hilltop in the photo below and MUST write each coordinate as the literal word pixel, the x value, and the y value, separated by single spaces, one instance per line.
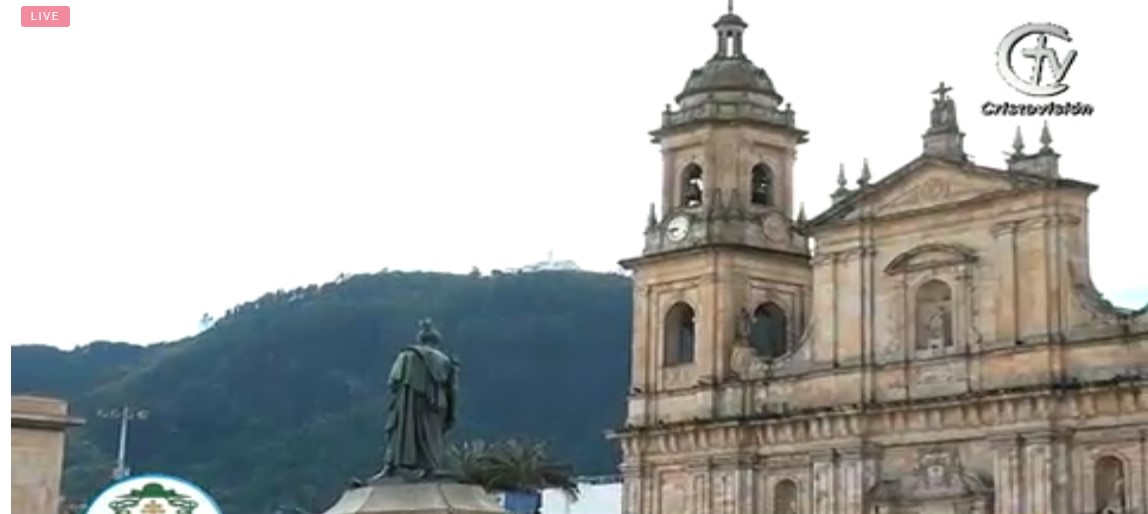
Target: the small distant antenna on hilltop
pixel 206 321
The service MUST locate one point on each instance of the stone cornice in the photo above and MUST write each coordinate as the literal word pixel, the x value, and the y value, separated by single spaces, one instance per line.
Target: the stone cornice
pixel 708 248
pixel 42 422
pixel 964 417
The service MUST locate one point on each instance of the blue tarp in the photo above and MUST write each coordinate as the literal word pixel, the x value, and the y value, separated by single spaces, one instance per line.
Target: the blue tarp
pixel 522 503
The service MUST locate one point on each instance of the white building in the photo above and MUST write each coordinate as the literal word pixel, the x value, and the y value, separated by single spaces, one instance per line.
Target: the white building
pixel 598 496
pixel 550 265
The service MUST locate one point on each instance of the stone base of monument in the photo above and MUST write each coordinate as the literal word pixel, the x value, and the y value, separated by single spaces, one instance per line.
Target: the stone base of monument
pixel 429 497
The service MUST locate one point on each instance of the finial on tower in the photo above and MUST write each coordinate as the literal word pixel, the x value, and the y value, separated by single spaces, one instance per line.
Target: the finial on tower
pixel 1045 162
pixel 729 6
pixel 1018 143
pixel 841 191
pixel 651 219
pixel 801 220
pixel 866 175
pixel 1045 138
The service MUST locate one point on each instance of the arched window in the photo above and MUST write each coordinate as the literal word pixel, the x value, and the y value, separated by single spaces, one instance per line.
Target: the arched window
pixel 934 315
pixel 680 335
pixel 692 185
pixel 769 332
pixel 761 185
pixel 1110 489
pixel 785 497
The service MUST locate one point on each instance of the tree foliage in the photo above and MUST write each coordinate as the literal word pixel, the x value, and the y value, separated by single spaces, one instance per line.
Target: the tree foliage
pixel 282 399
pixel 513 465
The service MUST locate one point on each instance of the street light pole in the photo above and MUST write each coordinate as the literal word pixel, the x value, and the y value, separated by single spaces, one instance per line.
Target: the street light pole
pixel 125 415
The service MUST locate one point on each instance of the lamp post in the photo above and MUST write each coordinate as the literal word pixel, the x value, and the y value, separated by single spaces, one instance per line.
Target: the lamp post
pixel 125 415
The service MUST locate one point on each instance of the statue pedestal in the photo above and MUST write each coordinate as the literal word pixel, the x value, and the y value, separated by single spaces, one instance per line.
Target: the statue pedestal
pixel 430 497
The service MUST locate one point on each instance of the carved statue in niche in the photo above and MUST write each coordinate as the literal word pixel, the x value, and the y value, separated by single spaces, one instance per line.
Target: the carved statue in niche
pixel 937 336
pixel 934 315
pixel 1111 497
pixel 742 356
pixel 1116 499
pixel 789 506
pixel 785 497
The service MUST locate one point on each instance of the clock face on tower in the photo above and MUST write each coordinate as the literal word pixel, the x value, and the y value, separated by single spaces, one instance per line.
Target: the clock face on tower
pixel 678 228
pixel 775 227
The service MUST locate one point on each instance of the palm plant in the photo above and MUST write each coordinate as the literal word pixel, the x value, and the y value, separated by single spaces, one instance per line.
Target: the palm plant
pixel 513 465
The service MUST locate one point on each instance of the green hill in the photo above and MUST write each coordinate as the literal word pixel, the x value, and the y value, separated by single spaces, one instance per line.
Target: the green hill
pixel 281 401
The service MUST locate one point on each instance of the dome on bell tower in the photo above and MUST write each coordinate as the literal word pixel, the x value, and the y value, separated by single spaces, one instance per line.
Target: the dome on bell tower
pixel 729 87
pixel 734 75
pixel 729 70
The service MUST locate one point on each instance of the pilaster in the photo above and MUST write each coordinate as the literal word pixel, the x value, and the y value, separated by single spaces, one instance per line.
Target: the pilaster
pixel 824 483
pixel 1038 472
pixel 699 492
pixel 633 484
pixel 857 473
pixel 1063 490
pixel 1007 475
pixel 1006 297
pixel 745 494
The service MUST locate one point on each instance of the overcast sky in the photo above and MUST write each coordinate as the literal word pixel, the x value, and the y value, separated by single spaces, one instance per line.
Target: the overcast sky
pixel 163 160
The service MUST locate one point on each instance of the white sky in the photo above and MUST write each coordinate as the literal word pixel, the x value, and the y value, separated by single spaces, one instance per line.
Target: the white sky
pixel 160 160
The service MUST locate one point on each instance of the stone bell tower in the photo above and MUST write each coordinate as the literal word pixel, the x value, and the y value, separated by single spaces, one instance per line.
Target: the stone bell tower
pixel 725 265
pixel 728 152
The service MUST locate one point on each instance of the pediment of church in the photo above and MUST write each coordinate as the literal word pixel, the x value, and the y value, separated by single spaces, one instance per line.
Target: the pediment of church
pixel 921 185
pixel 931 185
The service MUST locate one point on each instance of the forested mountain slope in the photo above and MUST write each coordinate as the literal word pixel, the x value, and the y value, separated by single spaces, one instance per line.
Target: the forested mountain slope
pixel 282 399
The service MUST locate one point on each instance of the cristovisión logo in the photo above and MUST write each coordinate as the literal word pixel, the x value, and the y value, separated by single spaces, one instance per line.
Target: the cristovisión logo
pixel 1044 59
pixel 1044 77
pixel 153 494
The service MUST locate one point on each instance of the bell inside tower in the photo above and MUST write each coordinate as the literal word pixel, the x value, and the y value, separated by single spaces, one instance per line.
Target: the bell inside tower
pixel 693 186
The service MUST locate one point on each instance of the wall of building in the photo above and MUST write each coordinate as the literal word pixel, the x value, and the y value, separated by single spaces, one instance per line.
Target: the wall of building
pixel 38 426
pixel 595 498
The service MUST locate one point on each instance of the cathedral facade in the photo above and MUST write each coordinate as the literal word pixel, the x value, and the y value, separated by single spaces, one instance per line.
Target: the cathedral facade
pixel 942 350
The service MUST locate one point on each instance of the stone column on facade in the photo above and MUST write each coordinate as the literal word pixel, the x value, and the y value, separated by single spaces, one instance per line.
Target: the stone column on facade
pixel 1063 490
pixel 1006 307
pixel 850 320
pixel 706 347
pixel 1007 476
pixel 744 493
pixel 631 489
pixel 645 338
pixel 825 307
pixel 870 348
pixel 857 473
pixel 725 488
pixel 1032 266
pixel 824 483
pixel 1038 472
pixel 1140 498
pixel 698 495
